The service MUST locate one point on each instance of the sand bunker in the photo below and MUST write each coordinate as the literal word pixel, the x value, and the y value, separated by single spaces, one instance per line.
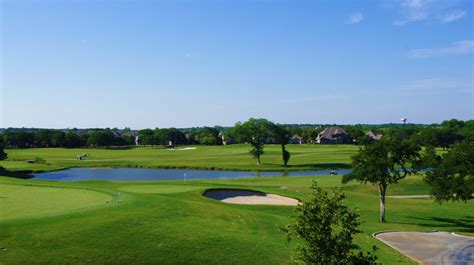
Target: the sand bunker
pixel 181 149
pixel 237 196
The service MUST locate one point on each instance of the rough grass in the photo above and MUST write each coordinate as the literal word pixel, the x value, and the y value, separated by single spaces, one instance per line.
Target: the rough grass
pixel 171 222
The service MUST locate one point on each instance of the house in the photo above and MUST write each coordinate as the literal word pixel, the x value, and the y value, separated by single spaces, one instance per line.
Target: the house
pixel 333 135
pixel 374 135
pixel 296 139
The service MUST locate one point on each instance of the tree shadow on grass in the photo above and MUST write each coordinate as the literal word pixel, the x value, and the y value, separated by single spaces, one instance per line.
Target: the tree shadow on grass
pixel 463 224
pixel 16 174
pixel 315 166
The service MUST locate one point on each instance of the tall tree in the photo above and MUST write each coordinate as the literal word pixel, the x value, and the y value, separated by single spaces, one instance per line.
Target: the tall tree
pixel 383 163
pixel 452 175
pixel 3 155
pixel 255 132
pixel 282 137
pixel 326 228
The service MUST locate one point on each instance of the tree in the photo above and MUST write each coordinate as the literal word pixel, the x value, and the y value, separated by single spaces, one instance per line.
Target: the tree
pixel 309 135
pixel 101 138
pixel 3 155
pixel 209 136
pixel 58 138
pixel 447 137
pixel 327 227
pixel 452 175
pixel 383 163
pixel 255 132
pixel 147 137
pixel 356 132
pixel 72 140
pixel 282 137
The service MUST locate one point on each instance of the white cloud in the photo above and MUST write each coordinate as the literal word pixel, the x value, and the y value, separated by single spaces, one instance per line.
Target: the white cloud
pixel 436 86
pixel 456 48
pixel 355 18
pixel 452 16
pixel 413 10
pixel 427 10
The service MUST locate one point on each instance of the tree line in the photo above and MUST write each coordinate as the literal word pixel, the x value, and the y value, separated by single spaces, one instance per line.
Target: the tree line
pixel 438 135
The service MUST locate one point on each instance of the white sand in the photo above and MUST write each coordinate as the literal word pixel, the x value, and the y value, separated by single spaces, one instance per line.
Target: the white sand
pixel 236 196
pixel 181 149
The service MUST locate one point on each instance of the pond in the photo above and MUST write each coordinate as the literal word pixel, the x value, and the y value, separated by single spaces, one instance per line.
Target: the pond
pixel 148 174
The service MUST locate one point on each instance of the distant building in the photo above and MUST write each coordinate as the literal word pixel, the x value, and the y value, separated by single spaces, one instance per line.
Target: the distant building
pixel 333 135
pixel 296 139
pixel 374 135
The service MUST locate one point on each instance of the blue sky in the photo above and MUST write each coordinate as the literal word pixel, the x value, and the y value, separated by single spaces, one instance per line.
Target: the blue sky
pixel 192 63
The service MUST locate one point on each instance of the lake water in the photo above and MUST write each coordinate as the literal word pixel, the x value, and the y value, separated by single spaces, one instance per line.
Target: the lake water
pixel 144 174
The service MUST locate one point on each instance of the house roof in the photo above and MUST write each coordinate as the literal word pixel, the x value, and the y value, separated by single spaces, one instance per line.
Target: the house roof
pixel 331 132
pixel 374 136
pixel 296 137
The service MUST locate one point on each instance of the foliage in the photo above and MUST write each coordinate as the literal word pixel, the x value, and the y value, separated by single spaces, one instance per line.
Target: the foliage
pixel 101 138
pixel 327 228
pixel 309 135
pixel 209 136
pixel 255 132
pixel 356 132
pixel 40 160
pixel 383 163
pixel 3 155
pixel 452 175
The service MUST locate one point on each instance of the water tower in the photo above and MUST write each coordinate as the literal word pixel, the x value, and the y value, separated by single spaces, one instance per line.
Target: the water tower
pixel 403 120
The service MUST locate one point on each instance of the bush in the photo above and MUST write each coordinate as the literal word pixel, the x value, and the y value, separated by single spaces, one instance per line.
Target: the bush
pixel 326 227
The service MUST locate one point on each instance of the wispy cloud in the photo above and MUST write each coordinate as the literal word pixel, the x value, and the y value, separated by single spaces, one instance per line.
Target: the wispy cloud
pixel 355 18
pixel 456 48
pixel 452 16
pixel 436 86
pixel 413 10
pixel 429 10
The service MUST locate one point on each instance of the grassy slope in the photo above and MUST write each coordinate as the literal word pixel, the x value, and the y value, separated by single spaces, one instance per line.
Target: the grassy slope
pixel 155 225
pixel 210 157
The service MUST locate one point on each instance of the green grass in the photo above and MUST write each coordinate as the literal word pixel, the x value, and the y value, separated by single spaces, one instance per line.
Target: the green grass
pixel 25 201
pixel 232 157
pixel 171 222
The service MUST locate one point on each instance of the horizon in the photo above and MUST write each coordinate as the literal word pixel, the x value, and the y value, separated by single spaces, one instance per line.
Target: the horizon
pixel 184 64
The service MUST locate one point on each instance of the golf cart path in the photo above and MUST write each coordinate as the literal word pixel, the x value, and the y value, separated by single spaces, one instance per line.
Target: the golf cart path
pixel 431 247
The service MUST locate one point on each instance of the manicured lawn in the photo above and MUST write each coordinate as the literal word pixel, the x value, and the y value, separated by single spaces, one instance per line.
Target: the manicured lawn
pixel 234 157
pixel 24 201
pixel 171 222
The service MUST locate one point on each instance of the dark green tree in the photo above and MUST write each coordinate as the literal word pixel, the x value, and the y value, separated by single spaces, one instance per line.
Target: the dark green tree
pixel 452 175
pixel 101 138
pixel 72 140
pixel 326 226
pixel 282 136
pixel 255 132
pixel 58 138
pixel 209 136
pixel 147 137
pixel 382 163
pixel 3 155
